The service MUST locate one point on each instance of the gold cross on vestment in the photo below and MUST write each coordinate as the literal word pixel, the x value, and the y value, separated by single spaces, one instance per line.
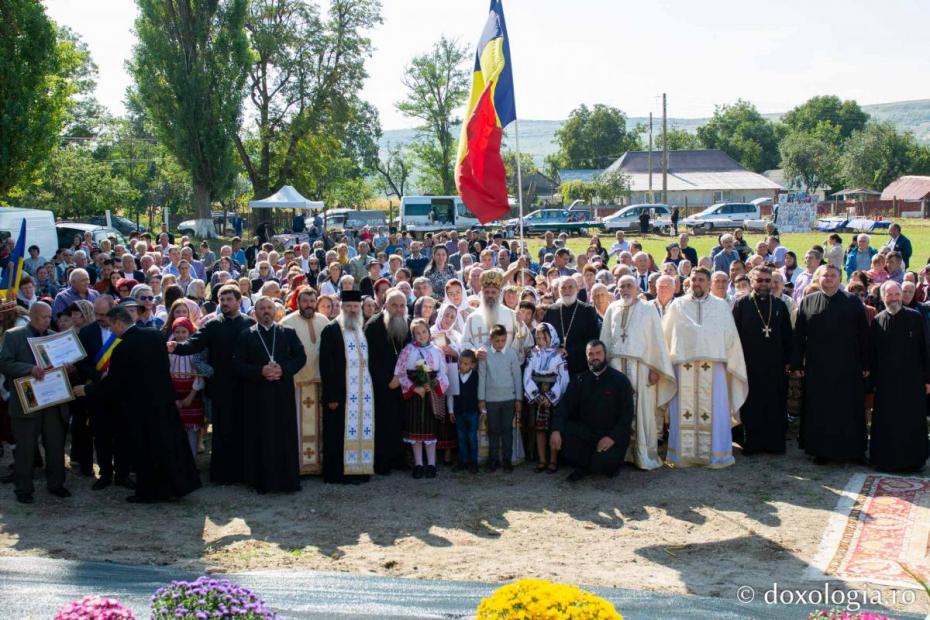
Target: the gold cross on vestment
pixel 309 453
pixel 308 401
pixel 704 416
pixel 688 366
pixel 705 366
pixel 687 415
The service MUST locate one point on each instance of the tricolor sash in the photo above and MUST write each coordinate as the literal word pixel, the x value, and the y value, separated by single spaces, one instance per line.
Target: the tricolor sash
pixel 102 361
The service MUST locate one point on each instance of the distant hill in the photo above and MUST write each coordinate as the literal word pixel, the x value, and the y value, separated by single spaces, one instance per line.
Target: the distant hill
pixel 537 137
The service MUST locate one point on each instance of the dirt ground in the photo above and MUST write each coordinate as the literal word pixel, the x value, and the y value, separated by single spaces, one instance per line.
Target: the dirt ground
pixel 696 531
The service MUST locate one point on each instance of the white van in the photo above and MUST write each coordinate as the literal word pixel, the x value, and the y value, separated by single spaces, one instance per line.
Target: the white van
pixel 423 214
pixel 40 229
pixel 722 215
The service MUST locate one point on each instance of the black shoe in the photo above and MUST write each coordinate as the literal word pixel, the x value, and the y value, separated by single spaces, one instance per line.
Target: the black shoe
pixel 430 471
pixel 473 468
pixel 508 468
pixel 418 472
pixel 25 498
pixel 126 483
pixel 491 467
pixel 459 467
pixel 578 474
pixel 101 484
pixel 61 492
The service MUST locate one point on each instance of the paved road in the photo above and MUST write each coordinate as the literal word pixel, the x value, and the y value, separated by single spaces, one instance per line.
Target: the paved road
pixel 37 588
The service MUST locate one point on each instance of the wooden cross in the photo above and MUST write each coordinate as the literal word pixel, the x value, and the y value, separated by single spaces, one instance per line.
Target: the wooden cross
pixel 767 331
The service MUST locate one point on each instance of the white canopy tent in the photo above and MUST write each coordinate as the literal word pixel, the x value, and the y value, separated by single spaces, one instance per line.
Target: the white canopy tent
pixel 286 198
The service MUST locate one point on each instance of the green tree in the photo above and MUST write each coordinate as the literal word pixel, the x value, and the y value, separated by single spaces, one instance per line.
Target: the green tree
pixel 190 67
pixel 743 134
pixel 611 186
pixel 577 190
pixel 678 140
pixel 878 154
pixel 302 80
pixel 85 116
pixel 813 114
pixel 436 85
pixel 527 167
pixel 809 158
pixel 33 93
pixel 394 168
pixel 593 138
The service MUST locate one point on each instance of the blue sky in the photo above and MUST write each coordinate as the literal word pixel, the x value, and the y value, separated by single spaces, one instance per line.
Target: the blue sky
pixel 622 53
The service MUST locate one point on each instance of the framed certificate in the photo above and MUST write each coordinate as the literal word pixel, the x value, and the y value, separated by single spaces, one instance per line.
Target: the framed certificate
pixel 54 389
pixel 57 349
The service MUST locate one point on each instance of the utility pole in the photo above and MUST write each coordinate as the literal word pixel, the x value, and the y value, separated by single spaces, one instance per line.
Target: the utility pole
pixel 664 149
pixel 650 157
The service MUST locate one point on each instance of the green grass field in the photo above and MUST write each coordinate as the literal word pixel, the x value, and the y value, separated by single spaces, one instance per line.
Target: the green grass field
pixel 918 231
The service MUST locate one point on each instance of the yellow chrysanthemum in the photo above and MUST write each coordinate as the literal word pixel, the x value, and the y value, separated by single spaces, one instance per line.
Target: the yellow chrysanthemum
pixel 538 599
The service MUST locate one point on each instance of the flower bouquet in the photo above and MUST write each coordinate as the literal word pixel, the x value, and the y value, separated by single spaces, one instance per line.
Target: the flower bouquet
pixel 208 598
pixel 95 608
pixel 843 614
pixel 423 377
pixel 544 600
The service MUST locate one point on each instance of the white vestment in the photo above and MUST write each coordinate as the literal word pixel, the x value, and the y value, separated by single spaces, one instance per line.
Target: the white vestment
pixel 307 392
pixel 635 346
pixel 705 350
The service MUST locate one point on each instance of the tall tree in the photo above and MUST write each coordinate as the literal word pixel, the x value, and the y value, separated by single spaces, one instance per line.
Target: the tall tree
pixel 190 67
pixel 437 85
pixel 394 168
pixel 678 140
pixel 302 80
pixel 33 93
pixel 809 158
pixel 593 138
pixel 846 116
pixel 743 134
pixel 878 154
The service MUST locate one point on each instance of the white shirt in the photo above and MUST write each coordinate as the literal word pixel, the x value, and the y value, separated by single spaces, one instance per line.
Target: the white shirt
pixel 619 246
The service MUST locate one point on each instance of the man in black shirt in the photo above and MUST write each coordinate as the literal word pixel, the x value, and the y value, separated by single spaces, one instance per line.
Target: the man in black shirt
pixel 591 425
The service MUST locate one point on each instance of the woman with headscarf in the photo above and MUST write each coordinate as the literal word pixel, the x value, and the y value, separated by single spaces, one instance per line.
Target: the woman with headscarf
pixel 188 383
pixel 447 335
pixel 544 381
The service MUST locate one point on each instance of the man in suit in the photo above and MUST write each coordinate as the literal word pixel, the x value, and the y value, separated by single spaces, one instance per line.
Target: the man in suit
pixel 17 360
pixel 154 434
pixel 98 342
pixel 899 243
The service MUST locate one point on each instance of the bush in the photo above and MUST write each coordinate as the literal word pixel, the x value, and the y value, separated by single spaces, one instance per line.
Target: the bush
pixel 94 608
pixel 537 599
pixel 208 598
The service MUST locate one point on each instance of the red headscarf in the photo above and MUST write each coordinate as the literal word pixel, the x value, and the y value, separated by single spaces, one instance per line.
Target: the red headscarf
pixel 184 322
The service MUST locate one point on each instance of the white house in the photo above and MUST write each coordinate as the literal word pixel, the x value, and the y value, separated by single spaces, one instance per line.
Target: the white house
pixel 696 178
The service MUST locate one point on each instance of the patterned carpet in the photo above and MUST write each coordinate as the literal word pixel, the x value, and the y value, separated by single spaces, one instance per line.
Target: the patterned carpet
pixel 879 523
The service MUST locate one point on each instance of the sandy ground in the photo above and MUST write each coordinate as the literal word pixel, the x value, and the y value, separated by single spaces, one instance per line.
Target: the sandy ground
pixel 687 531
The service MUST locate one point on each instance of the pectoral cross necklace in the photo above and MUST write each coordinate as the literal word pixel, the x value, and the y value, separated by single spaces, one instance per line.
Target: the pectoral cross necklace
pixel 625 322
pixel 274 337
pixel 766 330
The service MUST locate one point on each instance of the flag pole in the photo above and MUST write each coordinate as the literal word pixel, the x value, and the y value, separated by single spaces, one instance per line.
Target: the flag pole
pixel 516 133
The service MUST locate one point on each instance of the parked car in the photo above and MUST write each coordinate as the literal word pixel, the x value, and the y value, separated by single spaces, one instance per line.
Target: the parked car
pixel 423 214
pixel 627 218
pixel 556 220
pixel 68 230
pixel 188 227
pixel 723 215
pixel 40 228
pixel 120 223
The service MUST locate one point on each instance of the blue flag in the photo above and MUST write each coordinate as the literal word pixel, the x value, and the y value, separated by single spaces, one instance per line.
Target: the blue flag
pixel 13 270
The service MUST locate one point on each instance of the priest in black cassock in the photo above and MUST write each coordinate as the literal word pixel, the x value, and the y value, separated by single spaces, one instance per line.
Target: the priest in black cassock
pixel 139 378
pixel 267 358
pixel 831 352
pixel 348 397
pixel 591 424
pixel 901 378
pixel 764 326
pixel 387 332
pixel 576 322
pixel 225 389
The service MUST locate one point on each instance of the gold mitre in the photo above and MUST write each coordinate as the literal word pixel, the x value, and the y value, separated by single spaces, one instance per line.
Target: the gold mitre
pixel 492 277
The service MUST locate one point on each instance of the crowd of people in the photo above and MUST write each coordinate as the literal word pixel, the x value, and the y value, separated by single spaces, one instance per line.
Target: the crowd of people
pixel 365 352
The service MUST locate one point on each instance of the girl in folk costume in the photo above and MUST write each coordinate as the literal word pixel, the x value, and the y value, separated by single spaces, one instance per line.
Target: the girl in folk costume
pixel 448 338
pixel 188 384
pixel 421 371
pixel 544 381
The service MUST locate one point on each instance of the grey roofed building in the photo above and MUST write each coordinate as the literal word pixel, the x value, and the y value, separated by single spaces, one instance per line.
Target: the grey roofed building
pixel 696 178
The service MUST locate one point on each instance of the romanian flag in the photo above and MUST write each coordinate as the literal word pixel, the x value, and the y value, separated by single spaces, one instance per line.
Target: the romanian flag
pixel 479 173
pixel 13 271
pixel 102 361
